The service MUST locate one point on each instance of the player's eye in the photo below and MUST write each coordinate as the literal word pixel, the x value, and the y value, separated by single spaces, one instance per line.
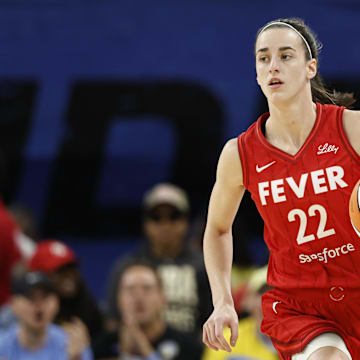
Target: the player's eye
pixel 286 56
pixel 263 58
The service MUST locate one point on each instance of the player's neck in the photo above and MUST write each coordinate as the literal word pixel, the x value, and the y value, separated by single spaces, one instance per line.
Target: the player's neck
pixel 291 123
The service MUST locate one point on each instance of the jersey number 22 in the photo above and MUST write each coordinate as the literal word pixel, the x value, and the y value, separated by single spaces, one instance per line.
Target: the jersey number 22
pixel 321 232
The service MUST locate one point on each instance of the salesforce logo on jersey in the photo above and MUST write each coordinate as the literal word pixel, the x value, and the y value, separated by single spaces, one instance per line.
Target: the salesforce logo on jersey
pixel 327 254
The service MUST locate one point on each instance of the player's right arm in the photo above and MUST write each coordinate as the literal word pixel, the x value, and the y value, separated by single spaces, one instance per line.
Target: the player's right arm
pixel 218 248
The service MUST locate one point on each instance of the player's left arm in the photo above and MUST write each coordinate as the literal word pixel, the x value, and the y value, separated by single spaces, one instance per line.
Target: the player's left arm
pixel 351 122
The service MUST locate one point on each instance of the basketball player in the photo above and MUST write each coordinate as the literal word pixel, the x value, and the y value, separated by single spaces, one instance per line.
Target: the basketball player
pixel 300 162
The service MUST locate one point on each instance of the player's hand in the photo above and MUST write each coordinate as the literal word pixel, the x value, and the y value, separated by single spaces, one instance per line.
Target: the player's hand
pixel 213 330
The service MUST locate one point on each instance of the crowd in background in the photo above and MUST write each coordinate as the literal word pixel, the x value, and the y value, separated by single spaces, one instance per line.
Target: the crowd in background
pixel 158 296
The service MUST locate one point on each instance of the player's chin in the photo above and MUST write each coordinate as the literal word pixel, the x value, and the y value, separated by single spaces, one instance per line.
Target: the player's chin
pixel 279 97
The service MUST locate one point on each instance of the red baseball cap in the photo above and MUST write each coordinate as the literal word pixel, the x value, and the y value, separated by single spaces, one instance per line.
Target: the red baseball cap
pixel 50 255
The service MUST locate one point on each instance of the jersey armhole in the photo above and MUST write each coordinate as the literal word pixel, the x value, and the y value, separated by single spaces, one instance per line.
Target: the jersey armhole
pixel 242 153
pixel 343 136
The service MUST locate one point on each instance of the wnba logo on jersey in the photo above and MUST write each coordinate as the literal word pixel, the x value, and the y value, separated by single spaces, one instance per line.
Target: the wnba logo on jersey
pixel 322 181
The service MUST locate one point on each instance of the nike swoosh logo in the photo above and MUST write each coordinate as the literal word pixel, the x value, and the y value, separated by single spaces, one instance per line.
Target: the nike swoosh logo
pixel 262 168
pixel 274 305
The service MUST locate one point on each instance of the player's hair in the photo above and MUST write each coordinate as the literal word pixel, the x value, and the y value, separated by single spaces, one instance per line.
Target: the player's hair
pixel 318 88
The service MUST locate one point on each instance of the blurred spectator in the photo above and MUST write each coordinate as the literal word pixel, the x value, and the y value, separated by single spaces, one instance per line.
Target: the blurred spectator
pixel 165 224
pixel 25 220
pixel 15 249
pixel 60 262
pixel 240 276
pixel 7 318
pixel 35 304
pixel 14 246
pixel 143 333
pixel 251 343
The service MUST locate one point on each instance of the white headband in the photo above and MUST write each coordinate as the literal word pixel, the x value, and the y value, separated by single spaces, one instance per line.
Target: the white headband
pixel 291 27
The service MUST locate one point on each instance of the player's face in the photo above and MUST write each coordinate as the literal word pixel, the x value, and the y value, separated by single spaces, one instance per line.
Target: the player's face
pixel 140 297
pixel 282 69
pixel 37 310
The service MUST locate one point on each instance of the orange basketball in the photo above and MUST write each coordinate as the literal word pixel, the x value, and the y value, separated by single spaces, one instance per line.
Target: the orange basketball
pixel 354 208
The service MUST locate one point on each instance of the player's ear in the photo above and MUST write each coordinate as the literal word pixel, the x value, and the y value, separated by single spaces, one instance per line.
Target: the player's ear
pixel 311 69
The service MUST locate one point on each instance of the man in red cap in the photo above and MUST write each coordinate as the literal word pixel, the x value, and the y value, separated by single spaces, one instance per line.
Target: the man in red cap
pixel 60 262
pixel 51 255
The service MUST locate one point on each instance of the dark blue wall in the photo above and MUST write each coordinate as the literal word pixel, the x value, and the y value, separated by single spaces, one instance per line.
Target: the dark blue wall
pixel 55 46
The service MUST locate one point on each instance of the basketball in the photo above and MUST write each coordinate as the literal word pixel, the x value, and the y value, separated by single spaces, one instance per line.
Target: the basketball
pixel 354 208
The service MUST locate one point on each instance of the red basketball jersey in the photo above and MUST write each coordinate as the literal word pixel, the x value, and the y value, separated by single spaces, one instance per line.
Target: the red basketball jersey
pixel 303 200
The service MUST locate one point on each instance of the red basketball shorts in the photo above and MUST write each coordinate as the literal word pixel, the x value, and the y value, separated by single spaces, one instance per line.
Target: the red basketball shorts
pixel 292 318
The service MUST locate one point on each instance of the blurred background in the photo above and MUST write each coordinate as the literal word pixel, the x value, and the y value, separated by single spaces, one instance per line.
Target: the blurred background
pixel 100 100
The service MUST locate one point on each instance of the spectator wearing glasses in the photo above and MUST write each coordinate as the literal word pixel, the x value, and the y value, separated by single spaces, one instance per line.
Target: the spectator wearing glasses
pixel 165 225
